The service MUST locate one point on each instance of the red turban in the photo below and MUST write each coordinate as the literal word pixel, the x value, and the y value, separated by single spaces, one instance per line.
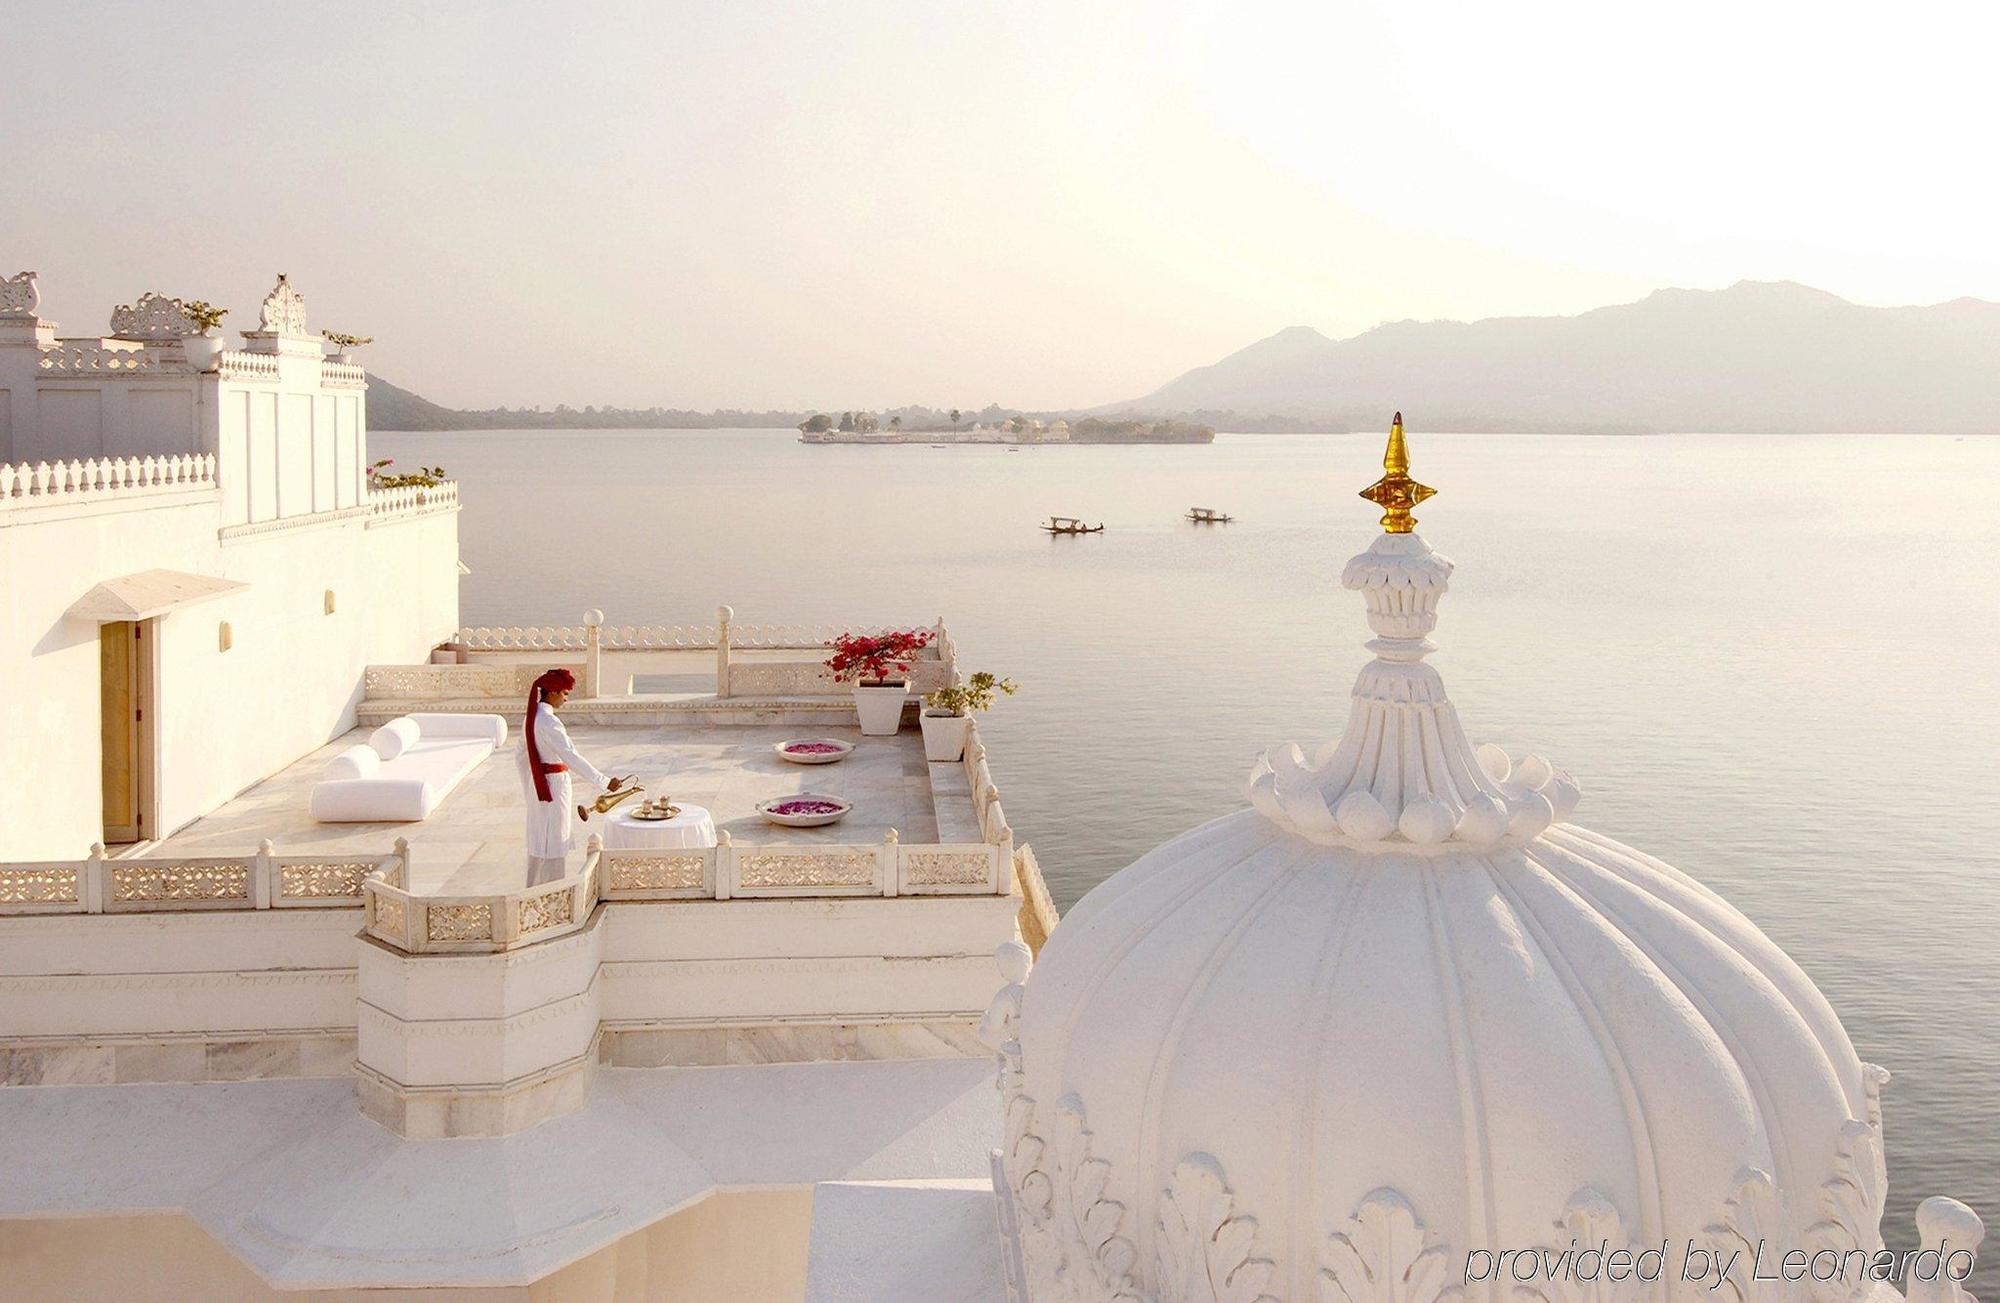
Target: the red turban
pixel 556 680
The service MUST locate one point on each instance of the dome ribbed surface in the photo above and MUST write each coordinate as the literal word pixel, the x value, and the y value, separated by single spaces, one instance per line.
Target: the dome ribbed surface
pixel 1489 1034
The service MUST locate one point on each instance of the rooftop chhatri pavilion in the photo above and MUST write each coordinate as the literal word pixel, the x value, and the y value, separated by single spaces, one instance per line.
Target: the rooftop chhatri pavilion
pixel 1401 1013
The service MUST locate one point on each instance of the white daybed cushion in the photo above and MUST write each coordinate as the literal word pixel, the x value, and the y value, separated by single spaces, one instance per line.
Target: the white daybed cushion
pixel 372 800
pixel 437 753
pixel 395 737
pixel 358 761
pixel 490 728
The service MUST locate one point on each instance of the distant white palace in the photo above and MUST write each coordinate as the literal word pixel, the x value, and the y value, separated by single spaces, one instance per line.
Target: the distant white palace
pixel 281 1016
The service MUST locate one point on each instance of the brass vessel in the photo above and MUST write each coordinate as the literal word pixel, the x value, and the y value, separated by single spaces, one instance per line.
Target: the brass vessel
pixel 608 802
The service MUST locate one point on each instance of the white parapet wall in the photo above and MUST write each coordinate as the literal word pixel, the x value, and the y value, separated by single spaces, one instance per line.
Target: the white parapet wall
pixel 487 1014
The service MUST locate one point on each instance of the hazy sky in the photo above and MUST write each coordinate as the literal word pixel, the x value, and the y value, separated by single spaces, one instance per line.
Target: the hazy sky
pixel 1041 204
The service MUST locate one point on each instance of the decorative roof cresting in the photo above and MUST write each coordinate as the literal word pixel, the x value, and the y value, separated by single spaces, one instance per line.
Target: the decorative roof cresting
pixel 284 310
pixel 154 316
pixel 19 295
pixel 1404 772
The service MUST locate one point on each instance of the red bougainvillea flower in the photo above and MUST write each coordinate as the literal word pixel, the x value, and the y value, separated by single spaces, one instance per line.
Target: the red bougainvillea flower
pixel 871 658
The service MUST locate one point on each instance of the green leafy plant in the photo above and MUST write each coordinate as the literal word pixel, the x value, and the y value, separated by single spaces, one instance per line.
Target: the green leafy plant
pixel 977 693
pixel 205 315
pixel 424 477
pixel 343 341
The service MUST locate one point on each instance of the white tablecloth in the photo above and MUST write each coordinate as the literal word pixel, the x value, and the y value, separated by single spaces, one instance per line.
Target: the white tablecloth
pixel 691 827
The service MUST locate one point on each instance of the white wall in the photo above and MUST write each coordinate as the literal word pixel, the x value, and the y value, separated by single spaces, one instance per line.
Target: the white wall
pixel 224 719
pixel 60 418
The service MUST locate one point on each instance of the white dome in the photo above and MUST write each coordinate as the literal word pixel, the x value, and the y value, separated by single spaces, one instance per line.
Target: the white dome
pixel 1323 1048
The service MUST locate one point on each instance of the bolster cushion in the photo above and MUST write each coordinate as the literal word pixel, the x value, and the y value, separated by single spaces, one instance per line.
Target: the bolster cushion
pixel 395 737
pixel 356 762
pixel 372 800
pixel 487 728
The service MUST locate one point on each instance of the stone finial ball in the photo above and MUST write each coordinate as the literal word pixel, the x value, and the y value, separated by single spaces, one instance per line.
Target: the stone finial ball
pixel 1563 792
pixel 1534 772
pixel 1426 820
pixel 1014 959
pixel 1941 1220
pixel 725 613
pixel 1531 816
pixel 1484 821
pixel 593 618
pixel 1362 817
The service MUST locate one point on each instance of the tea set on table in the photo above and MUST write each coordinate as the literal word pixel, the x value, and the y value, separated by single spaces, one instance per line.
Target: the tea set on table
pixel 658 822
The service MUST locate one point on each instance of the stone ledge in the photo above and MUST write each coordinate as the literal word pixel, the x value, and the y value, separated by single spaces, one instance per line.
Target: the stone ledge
pixel 633 712
pixel 790 1042
pixel 107 1061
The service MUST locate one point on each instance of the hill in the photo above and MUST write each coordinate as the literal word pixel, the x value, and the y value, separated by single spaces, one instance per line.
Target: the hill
pixel 391 407
pixel 1758 356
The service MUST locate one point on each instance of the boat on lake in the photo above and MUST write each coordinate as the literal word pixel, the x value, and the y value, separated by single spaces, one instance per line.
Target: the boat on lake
pixel 1071 525
pixel 1208 516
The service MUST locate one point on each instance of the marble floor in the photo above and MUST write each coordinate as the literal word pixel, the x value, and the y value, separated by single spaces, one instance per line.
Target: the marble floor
pixel 475 841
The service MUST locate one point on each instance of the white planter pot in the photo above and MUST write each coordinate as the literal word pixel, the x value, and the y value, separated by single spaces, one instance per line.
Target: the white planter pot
pixel 944 734
pixel 201 351
pixel 880 707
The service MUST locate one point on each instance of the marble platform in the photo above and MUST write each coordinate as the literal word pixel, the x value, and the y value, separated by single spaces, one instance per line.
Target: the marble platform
pixel 475 840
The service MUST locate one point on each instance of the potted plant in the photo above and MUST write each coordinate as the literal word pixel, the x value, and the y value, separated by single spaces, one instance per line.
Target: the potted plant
pixel 947 714
pixel 381 478
pixel 343 345
pixel 201 348
pixel 870 660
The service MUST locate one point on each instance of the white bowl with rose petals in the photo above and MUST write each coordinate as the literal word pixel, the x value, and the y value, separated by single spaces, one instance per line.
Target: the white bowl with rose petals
pixel 813 750
pixel 804 810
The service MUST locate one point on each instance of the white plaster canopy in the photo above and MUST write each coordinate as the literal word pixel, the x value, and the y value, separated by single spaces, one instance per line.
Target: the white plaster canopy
pixel 148 593
pixel 1400 1010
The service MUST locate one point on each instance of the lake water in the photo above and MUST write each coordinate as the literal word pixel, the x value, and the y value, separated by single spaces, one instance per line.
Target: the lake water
pixel 1769 660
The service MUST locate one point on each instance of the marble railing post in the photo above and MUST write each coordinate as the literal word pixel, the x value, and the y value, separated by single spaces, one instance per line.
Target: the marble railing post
pixel 261 873
pixel 93 880
pixel 593 655
pixel 723 615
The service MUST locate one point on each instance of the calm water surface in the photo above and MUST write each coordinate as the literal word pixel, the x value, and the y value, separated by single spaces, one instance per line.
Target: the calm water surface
pixel 1769 660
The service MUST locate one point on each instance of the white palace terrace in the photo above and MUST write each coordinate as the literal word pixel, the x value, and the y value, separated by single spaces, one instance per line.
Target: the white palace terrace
pixel 248 1053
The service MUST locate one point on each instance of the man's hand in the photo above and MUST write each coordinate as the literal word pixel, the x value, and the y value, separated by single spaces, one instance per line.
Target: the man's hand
pixel 616 783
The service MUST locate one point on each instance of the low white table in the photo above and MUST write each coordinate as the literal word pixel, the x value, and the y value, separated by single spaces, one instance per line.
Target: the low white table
pixel 692 827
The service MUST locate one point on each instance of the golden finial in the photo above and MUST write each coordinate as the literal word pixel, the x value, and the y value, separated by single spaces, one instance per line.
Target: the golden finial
pixel 1396 492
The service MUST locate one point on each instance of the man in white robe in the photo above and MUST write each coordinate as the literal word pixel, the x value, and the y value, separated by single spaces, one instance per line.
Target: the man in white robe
pixel 549 756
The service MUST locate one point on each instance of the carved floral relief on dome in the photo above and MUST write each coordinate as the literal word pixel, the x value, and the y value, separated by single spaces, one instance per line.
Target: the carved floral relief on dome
pixel 1382 1254
pixel 1077 1242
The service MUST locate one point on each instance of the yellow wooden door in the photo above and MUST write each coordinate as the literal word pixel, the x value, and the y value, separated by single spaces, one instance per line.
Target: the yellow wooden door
pixel 118 654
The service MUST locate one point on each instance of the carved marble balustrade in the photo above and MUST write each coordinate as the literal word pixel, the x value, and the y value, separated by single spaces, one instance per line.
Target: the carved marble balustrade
pixel 265 880
pixel 493 922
